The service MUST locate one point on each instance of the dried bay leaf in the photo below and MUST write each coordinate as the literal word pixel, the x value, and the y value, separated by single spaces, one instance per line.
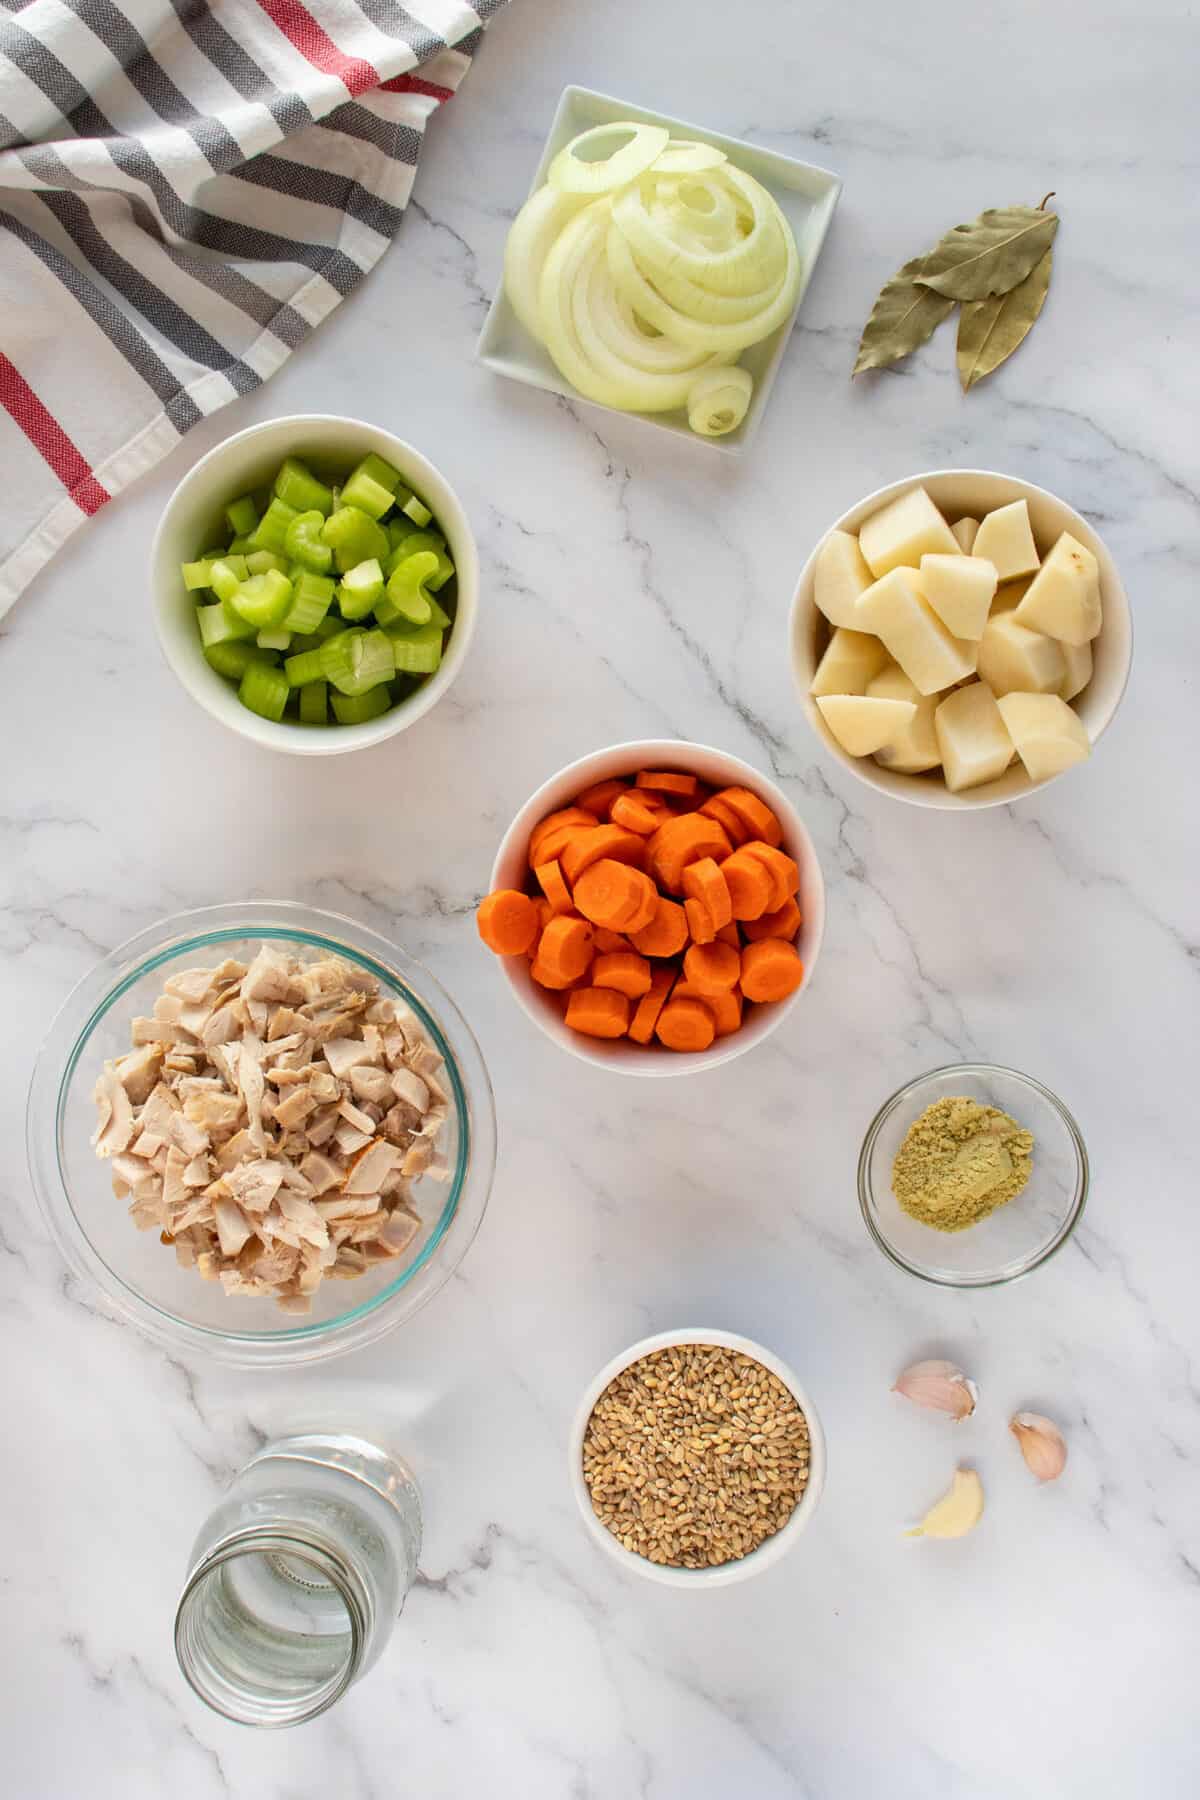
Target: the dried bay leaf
pixel 904 315
pixel 990 330
pixel 991 254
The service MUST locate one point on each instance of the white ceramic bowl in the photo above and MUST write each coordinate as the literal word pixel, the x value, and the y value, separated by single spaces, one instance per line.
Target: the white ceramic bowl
pixel 769 1552
pixel 719 770
pixel 247 461
pixel 969 493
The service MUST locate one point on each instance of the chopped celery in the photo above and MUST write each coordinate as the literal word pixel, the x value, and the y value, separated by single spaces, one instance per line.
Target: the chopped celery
pixel 416 652
pixel 304 544
pixel 263 600
pixel 354 537
pixel 369 495
pixel 219 624
pixel 431 541
pixel 242 515
pixel 312 596
pixel 398 528
pixel 416 510
pixel 356 709
pixel 314 703
pixel 259 561
pixel 299 487
pixel 264 688
pixel 271 531
pixel 238 546
pixel 302 669
pixel 437 614
pixel 360 589
pixel 233 659
pixel 274 640
pixel 378 470
pixel 404 598
pixel 356 660
pixel 197 575
pixel 227 576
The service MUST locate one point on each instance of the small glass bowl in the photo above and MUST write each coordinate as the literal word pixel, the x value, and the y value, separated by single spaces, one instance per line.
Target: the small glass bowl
pixel 1015 1238
pixel 139 1277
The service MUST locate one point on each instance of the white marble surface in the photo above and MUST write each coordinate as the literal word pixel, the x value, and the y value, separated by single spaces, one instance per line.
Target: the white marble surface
pixel 634 587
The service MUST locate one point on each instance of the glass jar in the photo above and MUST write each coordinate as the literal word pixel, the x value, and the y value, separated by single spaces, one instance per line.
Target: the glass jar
pixel 297 1578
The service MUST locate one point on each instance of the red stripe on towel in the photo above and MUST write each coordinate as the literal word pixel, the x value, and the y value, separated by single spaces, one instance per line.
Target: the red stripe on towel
pixel 315 44
pixel 415 84
pixel 49 439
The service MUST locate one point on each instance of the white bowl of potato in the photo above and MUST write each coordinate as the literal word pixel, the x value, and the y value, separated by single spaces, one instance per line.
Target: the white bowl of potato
pixel 960 638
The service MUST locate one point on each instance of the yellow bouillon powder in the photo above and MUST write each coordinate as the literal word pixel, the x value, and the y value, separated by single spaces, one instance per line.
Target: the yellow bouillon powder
pixel 959 1161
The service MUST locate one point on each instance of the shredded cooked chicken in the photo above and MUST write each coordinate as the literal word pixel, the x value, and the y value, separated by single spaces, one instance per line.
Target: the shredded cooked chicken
pixel 269 1122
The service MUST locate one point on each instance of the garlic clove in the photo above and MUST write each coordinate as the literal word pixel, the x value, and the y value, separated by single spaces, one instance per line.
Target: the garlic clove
pixel 1042 1444
pixel 938 1385
pixel 957 1512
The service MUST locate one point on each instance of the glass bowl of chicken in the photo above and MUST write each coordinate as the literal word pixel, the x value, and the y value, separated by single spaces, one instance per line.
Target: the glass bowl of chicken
pixel 263 1132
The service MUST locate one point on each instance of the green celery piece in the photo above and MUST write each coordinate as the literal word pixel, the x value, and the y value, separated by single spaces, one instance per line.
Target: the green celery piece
pixel 238 546
pixel 274 640
pixel 197 575
pixel 417 511
pixel 312 596
pixel 263 601
pixel 377 470
pixel 227 576
pixel 354 537
pixel 302 669
pixel 405 598
pixel 398 528
pixel 219 624
pixel 357 660
pixel 422 541
pixel 232 659
pixel 242 515
pixel 264 688
pixel 314 703
pixel 416 652
pixel 259 561
pixel 304 543
pixel 271 531
pixel 369 495
pixel 360 588
pixel 300 488
pixel 330 626
pixel 356 709
pixel 438 615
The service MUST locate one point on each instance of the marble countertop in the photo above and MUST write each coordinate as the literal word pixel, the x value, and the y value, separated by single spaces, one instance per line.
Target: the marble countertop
pixel 634 586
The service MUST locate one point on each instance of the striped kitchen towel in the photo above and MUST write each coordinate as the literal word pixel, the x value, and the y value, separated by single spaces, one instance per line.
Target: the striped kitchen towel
pixel 187 187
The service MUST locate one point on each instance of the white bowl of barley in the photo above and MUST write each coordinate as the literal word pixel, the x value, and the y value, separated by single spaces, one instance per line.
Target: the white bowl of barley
pixel 772 1548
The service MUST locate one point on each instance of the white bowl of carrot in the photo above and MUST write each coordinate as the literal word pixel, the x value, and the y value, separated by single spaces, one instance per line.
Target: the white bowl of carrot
pixel 657 907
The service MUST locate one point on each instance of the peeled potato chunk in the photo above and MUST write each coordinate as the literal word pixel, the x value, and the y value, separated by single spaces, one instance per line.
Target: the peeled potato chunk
pixel 896 610
pixel 862 726
pixel 1063 599
pixel 1048 734
pixel 1010 594
pixel 1005 537
pixel 840 577
pixel 972 737
pixel 1078 658
pixel 850 660
pixel 959 589
pixel 914 749
pixel 899 534
pixel 963 532
pixel 1012 657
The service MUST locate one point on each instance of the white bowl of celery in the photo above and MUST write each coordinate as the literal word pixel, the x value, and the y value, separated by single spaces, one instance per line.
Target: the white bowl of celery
pixel 316 584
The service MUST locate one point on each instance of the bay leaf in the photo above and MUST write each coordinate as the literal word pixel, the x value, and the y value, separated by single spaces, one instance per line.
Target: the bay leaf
pixel 903 316
pixel 991 254
pixel 990 330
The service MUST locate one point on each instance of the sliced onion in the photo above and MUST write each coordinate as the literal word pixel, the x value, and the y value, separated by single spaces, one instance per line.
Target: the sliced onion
pixel 533 232
pixel 717 401
pixel 611 339
pixel 683 156
pixel 744 264
pixel 570 174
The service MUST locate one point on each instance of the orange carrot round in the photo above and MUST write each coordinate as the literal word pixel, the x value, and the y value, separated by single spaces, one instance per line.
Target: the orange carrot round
pixel 700 925
pixel 623 970
pixel 726 1007
pixel 667 932
pixel 685 1025
pixel 771 969
pixel 550 879
pixel 749 885
pixel 645 1018
pixel 631 812
pixel 598 1012
pixel 683 840
pixel 756 815
pixel 703 880
pixel 565 948
pixel 607 941
pixel 648 905
pixel 584 847
pixel 782 924
pixel 731 934
pixel 566 815
pixel 611 893
pixel 599 799
pixel 712 968
pixel 507 921
pixel 784 873
pixel 667 781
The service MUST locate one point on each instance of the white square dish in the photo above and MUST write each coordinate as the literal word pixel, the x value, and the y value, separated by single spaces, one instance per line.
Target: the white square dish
pixel 806 195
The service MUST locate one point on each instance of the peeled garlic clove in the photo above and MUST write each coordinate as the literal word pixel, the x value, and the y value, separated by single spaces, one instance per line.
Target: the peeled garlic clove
pixel 957 1512
pixel 1042 1444
pixel 939 1385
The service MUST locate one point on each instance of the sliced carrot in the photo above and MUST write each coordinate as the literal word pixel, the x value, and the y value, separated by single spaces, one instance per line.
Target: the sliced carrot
pixel 607 941
pixel 587 847
pixel 700 925
pixel 599 799
pixel 666 781
pixel 550 880
pixel 757 816
pixel 667 932
pixel 649 906
pixel 507 921
pixel 611 893
pixel 703 880
pixel 726 1008
pixel 712 968
pixel 784 872
pixel 685 1025
pixel 641 1028
pixel 730 934
pixel 771 969
pixel 566 815
pixel 598 1012
pixel 782 924
pixel 623 970
pixel 749 885
pixel 734 828
pixel 631 812
pixel 565 949
pixel 683 840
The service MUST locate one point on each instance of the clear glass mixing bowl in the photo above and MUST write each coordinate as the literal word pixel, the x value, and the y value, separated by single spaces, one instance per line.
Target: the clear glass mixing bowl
pixel 137 1275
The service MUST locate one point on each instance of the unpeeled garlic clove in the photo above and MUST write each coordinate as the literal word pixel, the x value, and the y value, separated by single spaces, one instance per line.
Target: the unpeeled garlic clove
pixel 957 1512
pixel 939 1385
pixel 1042 1444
